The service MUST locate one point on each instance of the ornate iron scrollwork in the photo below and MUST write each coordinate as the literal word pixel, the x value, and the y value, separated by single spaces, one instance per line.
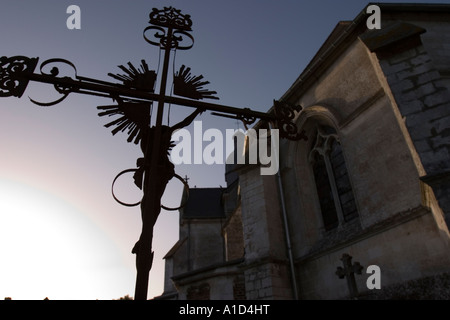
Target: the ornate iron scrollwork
pixel 178 25
pixel 64 90
pixel 246 119
pixel 285 114
pixel 162 39
pixel 11 69
pixel 170 17
pixel 183 181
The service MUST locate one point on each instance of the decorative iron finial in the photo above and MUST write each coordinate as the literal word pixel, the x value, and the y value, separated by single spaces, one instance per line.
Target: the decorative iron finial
pixel 171 28
pixel 171 18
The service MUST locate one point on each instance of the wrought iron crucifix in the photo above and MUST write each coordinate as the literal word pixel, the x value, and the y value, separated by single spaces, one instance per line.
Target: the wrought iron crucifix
pixel 348 271
pixel 135 97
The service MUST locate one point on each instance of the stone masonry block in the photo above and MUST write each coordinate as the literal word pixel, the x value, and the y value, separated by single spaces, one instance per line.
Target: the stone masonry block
pixel 419 131
pixel 411 72
pixel 433 100
pixel 411 107
pixel 420 59
pixel 436 162
pixel 403 85
pixel 423 68
pixel 252 294
pixel 405 55
pixel 426 115
pixel 427 77
pixel 420 50
pixel 439 142
pixel 437 112
pixel 407 96
pixel 443 84
pixel 425 90
pixel 441 127
pixel 423 145
pixel 266 282
pixel 393 78
pixel 392 69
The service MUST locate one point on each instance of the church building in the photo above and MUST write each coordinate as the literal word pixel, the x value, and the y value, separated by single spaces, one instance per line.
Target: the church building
pixel 361 209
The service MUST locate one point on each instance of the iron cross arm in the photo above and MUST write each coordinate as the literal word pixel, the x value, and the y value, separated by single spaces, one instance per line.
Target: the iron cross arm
pixel 16 72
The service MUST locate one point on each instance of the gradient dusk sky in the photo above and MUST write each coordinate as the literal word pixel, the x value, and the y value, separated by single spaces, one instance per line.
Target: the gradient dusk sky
pixel 62 235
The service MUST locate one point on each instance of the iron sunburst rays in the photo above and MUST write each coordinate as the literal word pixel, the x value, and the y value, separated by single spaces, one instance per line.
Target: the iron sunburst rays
pixel 191 86
pixel 140 79
pixel 134 117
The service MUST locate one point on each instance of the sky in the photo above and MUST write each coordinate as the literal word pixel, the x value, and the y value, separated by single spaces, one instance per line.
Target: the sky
pixel 62 235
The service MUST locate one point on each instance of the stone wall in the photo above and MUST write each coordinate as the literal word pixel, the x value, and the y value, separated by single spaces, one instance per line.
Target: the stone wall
pixel 436 39
pixel 234 236
pixel 391 115
pixel 422 96
pixel 265 268
pixel 223 281
pixel 261 216
pixel 398 248
pixel 239 290
pixel 381 169
pixel 436 287
pixel 268 281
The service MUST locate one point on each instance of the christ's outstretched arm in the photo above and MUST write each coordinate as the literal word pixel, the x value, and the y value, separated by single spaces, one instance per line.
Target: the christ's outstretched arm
pixel 188 120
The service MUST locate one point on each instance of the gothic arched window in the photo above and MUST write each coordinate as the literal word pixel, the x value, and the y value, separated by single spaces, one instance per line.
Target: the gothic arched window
pixel 334 190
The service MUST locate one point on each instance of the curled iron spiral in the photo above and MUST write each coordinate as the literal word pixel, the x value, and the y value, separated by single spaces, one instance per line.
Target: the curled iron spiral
pixel 160 38
pixel 186 189
pixel 64 90
pixel 285 114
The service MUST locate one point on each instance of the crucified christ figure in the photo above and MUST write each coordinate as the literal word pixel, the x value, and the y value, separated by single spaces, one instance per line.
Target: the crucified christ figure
pixel 154 184
pixel 154 169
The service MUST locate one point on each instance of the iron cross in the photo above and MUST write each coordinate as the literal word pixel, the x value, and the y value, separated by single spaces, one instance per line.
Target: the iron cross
pixel 348 272
pixel 134 98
